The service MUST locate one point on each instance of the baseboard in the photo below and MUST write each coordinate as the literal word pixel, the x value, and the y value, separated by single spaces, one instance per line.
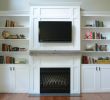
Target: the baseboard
pixel 55 94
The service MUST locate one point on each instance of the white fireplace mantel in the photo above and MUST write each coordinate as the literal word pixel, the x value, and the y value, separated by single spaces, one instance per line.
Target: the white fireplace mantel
pixel 34 52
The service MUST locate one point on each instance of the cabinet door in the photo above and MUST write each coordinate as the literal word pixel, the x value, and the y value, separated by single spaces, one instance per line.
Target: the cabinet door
pixel 6 79
pixel 105 78
pixel 21 78
pixel 89 78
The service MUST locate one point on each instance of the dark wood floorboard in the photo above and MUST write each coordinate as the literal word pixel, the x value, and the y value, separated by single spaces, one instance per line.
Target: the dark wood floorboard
pixel 86 96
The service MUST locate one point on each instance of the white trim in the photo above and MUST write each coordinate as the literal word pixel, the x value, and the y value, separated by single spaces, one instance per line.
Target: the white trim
pixel 95 13
pixel 34 3
pixel 14 13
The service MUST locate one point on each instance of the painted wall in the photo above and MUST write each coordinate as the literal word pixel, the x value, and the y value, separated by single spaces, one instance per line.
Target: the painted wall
pixel 89 5
pixel 14 4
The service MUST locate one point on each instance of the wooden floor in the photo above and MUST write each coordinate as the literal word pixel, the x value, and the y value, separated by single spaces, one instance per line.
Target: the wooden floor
pixel 97 96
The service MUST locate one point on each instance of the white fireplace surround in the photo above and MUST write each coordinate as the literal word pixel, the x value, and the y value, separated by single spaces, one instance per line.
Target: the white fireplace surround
pixel 55 55
pixel 58 61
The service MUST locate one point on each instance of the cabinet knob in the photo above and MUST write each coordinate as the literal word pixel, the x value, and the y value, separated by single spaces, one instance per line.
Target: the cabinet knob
pixel 11 68
pixel 99 69
pixel 96 69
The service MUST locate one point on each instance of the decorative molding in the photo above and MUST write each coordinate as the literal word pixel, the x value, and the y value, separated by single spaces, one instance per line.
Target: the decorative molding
pixel 95 13
pixel 50 3
pixel 14 13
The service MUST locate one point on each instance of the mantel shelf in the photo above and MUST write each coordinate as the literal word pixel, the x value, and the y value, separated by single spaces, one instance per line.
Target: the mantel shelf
pixel 53 51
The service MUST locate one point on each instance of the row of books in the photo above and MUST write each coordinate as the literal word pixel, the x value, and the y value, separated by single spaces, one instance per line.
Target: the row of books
pixel 12 60
pixel 96 47
pixel 7 60
pixel 99 23
pixel 9 23
pixel 96 23
pixel 91 60
pixel 94 35
pixel 6 47
pixel 88 60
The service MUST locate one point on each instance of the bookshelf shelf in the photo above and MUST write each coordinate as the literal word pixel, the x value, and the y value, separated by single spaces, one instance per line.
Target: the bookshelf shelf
pixel 94 64
pixel 14 52
pixel 95 52
pixel 14 40
pixel 95 27
pixel 14 27
pixel 13 64
pixel 95 39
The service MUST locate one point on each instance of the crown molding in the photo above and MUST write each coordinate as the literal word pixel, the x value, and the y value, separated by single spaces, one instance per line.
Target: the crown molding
pixel 95 13
pixel 50 3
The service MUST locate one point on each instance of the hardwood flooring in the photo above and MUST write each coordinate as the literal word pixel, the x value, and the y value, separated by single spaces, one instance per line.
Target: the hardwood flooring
pixel 89 96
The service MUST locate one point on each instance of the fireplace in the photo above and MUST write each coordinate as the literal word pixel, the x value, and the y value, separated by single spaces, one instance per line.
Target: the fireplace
pixel 57 74
pixel 54 80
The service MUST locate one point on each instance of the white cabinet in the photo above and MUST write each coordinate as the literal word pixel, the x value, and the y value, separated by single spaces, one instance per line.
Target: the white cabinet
pixel 104 78
pixel 14 79
pixel 21 78
pixel 95 78
pixel 89 78
pixel 5 79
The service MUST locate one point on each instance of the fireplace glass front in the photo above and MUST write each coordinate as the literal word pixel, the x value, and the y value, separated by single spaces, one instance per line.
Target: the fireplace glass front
pixel 54 80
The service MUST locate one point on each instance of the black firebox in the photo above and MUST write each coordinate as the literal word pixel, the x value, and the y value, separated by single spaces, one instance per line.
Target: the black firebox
pixel 54 80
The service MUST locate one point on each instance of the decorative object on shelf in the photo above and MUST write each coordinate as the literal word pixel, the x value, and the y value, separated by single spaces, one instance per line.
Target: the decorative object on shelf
pixel 20 61
pixel 88 25
pixel 90 48
pixel 96 47
pixel 22 36
pixel 6 34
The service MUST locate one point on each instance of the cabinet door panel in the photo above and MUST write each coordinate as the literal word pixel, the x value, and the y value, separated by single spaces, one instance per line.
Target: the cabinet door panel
pixel 89 79
pixel 22 79
pixel 104 79
pixel 5 80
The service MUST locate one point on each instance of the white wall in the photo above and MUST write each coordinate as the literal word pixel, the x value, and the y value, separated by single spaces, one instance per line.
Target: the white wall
pixel 14 5
pixel 99 5
pixel 89 5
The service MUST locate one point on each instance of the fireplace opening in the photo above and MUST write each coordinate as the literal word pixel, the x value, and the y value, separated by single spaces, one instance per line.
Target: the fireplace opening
pixel 54 80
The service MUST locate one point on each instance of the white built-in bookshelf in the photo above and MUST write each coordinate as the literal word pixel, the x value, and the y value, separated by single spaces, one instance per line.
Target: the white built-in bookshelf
pixel 95 47
pixel 14 51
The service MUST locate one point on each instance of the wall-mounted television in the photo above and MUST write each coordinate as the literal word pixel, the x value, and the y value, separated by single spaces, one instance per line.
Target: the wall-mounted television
pixel 55 31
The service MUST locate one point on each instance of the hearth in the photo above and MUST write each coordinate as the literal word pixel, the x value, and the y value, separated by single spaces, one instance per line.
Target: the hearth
pixel 54 80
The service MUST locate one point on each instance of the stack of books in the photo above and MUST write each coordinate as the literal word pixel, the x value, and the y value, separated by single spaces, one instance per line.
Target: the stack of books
pixel 9 23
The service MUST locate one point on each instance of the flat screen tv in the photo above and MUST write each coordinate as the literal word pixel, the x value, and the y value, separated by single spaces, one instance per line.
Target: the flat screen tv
pixel 55 31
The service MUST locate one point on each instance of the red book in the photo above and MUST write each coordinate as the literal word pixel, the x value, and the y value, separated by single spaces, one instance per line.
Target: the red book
pixel 7 60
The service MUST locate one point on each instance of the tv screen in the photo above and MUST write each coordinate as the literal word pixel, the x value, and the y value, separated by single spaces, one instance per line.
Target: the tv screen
pixel 55 31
